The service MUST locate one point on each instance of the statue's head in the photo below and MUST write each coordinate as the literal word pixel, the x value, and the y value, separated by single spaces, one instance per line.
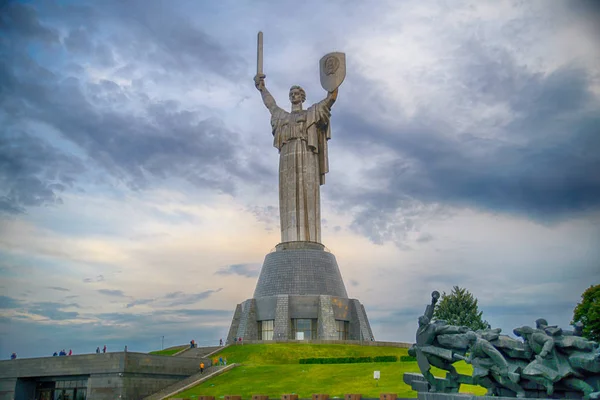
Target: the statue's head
pixel 471 336
pixel 423 320
pixel 523 332
pixel 297 95
pixel 541 323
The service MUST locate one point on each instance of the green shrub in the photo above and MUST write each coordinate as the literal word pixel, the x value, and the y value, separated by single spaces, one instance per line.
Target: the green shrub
pixel 385 359
pixel 407 358
pixel 347 360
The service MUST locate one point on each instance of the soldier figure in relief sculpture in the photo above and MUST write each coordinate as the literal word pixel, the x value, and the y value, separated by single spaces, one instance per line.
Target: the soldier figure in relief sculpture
pixel 301 137
pixel 548 362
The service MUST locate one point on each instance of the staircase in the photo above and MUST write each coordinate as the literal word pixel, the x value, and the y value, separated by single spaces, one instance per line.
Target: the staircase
pixel 189 382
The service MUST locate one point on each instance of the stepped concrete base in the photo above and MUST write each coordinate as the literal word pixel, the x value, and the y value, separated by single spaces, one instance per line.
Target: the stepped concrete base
pixel 300 281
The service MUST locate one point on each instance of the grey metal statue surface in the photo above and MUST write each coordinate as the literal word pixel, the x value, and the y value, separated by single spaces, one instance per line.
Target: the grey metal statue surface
pixel 301 137
pixel 547 362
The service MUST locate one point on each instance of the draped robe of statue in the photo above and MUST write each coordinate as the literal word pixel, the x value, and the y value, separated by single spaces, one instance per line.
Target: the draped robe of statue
pixel 301 138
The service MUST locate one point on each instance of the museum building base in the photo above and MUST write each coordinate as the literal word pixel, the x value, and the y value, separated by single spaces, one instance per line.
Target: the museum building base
pixel 300 295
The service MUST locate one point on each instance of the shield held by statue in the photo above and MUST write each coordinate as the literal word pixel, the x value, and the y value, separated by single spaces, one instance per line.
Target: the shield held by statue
pixel 333 70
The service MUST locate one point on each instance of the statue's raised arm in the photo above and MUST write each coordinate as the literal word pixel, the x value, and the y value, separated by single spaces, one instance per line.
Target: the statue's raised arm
pixel 331 98
pixel 268 100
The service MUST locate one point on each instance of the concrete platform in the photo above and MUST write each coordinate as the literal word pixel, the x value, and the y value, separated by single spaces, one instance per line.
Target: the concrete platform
pixel 107 376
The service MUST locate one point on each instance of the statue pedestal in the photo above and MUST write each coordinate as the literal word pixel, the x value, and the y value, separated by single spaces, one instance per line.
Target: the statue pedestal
pixel 418 383
pixel 300 295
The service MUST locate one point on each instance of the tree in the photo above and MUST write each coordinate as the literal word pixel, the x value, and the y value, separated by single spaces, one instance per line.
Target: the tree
pixel 459 308
pixel 588 313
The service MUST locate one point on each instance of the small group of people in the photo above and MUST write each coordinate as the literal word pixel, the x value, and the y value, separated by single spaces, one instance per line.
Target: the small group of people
pixel 220 361
pixel 63 353
pixel 98 349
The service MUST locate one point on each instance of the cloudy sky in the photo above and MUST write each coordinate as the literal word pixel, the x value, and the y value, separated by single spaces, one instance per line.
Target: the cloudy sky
pixel 138 182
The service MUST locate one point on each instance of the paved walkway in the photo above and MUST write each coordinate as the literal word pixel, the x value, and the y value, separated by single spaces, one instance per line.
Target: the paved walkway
pixel 190 382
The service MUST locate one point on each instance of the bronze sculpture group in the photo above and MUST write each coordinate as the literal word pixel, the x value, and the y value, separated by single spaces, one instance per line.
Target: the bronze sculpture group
pixel 547 362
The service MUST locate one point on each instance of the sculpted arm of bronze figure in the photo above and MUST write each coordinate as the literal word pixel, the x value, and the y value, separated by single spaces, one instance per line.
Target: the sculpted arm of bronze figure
pixel 324 107
pixel 435 296
pixel 547 347
pixel 268 100
pixel 450 329
pixel 331 98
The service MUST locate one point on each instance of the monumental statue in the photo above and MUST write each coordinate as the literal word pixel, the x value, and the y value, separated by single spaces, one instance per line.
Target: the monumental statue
pixel 301 137
pixel 300 293
pixel 547 362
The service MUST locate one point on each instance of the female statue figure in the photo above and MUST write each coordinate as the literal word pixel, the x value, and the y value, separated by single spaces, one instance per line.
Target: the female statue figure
pixel 301 137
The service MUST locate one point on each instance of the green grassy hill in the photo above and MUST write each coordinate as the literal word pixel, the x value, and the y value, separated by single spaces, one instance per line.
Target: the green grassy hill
pixel 274 369
pixel 169 351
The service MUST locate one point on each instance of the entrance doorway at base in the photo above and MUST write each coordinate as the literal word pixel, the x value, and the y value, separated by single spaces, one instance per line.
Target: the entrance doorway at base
pixel 73 389
pixel 304 328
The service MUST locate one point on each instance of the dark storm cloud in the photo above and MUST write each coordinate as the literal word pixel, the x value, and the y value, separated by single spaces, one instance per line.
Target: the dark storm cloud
pixel 165 315
pixel 53 310
pixel 111 292
pixel 268 215
pixel 159 140
pixel 174 299
pixel 526 309
pixel 8 302
pixel 550 174
pixel 424 237
pixel 139 302
pixel 162 143
pixel 32 173
pixel 180 45
pixel 58 288
pixel 247 270
pixel 99 278
pixel 179 298
pixel 159 34
pixel 20 21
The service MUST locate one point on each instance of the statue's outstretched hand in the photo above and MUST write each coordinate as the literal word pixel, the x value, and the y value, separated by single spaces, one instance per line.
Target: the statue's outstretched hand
pixel 259 81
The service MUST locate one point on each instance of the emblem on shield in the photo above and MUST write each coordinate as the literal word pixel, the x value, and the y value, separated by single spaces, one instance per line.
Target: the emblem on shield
pixel 333 70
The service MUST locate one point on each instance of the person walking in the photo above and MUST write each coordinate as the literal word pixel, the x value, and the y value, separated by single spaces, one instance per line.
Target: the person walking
pixel 201 367
pixel 70 352
pixel 98 350
pixel 104 349
pixel 220 342
pixel 13 356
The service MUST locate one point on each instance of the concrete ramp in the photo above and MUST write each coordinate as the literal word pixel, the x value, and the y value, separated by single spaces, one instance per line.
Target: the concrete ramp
pixel 198 352
pixel 190 382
